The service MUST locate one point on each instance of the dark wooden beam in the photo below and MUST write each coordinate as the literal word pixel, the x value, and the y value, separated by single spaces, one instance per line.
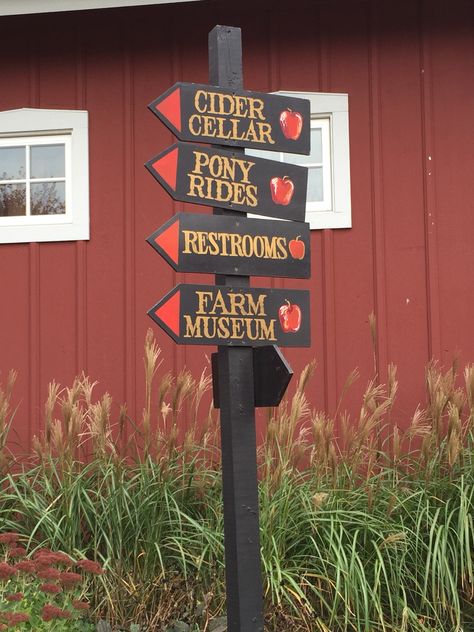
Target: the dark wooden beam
pixel 236 395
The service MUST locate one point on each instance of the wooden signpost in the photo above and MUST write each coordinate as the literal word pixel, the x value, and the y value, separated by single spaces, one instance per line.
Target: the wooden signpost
pixel 245 323
pixel 226 179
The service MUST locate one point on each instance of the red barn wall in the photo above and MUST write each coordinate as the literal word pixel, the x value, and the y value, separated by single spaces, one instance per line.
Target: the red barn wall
pixel 408 68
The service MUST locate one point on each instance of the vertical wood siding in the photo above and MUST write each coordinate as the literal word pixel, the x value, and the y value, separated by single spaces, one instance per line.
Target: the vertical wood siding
pixel 408 67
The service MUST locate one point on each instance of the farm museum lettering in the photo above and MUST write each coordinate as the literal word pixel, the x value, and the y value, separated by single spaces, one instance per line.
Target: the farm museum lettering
pixel 222 178
pixel 229 316
pixel 199 242
pixel 247 122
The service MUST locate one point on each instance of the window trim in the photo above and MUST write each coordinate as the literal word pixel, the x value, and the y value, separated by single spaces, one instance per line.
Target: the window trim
pixel 335 107
pixel 20 7
pixel 22 126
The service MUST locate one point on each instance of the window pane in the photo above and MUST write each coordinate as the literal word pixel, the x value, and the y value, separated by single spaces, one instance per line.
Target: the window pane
pixel 12 200
pixel 48 198
pixel 315 184
pixel 316 154
pixel 12 163
pixel 47 161
pixel 316 144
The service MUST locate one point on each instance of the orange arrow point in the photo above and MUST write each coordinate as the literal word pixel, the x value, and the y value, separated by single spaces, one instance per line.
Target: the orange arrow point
pixel 168 241
pixel 168 313
pixel 167 167
pixel 170 108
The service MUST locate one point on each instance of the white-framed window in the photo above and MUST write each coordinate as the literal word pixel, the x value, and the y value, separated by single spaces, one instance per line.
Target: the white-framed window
pixel 328 203
pixel 44 175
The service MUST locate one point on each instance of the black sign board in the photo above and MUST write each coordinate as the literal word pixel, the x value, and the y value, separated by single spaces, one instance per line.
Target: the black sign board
pixel 224 244
pixel 208 114
pixel 234 316
pixel 230 180
pixel 271 376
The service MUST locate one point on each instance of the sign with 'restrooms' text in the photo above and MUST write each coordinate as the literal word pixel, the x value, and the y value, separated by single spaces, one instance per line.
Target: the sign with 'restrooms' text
pixel 223 244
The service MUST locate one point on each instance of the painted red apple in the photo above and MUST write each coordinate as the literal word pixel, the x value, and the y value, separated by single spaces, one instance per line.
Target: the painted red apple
pixel 297 248
pixel 290 317
pixel 291 124
pixel 282 190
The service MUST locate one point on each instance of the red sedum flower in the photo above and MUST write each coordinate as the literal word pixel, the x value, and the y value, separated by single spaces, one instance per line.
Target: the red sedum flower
pixel 89 566
pixel 17 551
pixel 51 612
pixel 45 557
pixel 62 558
pixel 70 579
pixel 15 618
pixel 9 537
pixel 25 566
pixel 41 552
pixel 52 589
pixel 6 571
pixel 14 596
pixel 49 573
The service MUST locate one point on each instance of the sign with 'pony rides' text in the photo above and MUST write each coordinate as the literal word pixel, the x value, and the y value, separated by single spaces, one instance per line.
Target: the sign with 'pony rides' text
pixel 208 114
pixel 222 315
pixel 230 180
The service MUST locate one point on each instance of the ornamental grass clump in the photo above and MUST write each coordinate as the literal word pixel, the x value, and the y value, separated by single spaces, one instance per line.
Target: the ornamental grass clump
pixel 43 591
pixel 6 418
pixel 367 519
pixel 372 527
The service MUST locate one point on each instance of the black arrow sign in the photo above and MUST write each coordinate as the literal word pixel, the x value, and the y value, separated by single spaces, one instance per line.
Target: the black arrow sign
pixel 208 114
pixel 225 179
pixel 219 244
pixel 271 374
pixel 221 315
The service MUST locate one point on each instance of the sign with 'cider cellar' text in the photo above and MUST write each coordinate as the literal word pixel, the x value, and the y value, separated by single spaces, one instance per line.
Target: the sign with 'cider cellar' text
pixel 208 114
pixel 226 179
pixel 223 244
pixel 223 315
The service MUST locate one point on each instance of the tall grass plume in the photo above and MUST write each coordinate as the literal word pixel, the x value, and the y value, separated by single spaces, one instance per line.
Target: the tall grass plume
pixel 366 517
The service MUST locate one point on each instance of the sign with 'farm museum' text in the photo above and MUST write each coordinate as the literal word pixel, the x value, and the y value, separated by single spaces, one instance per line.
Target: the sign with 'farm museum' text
pixel 222 315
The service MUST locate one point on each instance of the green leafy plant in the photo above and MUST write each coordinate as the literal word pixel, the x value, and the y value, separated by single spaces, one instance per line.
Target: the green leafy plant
pixel 44 591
